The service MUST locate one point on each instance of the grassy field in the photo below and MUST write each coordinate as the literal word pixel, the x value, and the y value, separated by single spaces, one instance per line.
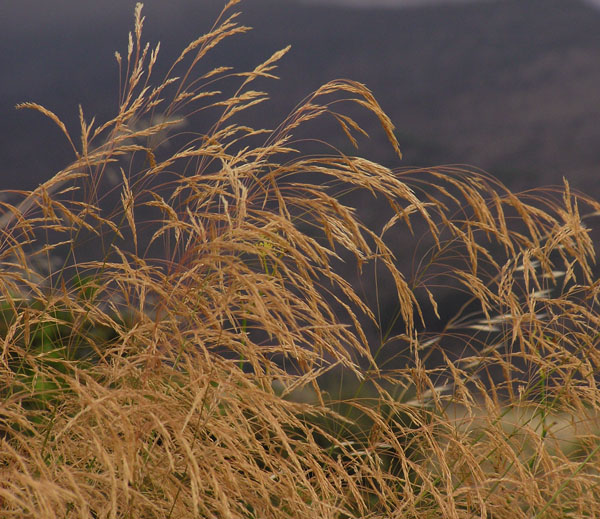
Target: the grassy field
pixel 179 337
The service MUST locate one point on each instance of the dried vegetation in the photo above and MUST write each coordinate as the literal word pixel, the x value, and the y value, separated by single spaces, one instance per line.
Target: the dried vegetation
pixel 174 339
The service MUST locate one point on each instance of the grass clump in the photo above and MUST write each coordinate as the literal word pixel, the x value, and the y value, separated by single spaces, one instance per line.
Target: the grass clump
pixel 184 356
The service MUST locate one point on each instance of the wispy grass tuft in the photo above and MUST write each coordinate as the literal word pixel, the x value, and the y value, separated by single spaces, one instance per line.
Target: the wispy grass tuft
pixel 182 335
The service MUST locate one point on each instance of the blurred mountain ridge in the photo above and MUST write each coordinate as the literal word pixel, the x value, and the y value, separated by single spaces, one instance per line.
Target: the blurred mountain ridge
pixel 507 85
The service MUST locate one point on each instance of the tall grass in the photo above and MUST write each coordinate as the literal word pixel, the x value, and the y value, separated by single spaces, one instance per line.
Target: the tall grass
pixel 178 322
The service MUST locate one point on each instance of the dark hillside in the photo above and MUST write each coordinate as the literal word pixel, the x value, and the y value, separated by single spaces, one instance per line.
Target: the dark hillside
pixel 510 86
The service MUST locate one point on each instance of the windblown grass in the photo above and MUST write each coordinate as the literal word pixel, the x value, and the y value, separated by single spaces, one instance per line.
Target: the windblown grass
pixel 174 320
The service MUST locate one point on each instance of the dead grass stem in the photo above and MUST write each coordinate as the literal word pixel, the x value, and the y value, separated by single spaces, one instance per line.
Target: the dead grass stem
pixel 174 320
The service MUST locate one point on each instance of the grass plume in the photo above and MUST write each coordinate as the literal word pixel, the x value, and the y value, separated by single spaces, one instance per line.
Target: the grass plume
pixel 178 321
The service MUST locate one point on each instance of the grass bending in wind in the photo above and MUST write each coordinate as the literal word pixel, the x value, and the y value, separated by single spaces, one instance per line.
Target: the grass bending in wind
pixel 186 369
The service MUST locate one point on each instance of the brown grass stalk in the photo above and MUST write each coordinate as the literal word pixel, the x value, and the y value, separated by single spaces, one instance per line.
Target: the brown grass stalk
pixel 178 322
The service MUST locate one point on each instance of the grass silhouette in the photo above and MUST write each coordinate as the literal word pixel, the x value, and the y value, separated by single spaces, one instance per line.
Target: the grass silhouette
pixel 180 337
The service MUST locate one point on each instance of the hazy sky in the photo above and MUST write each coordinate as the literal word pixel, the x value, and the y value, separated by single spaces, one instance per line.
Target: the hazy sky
pixel 409 3
pixel 391 3
pixel 28 15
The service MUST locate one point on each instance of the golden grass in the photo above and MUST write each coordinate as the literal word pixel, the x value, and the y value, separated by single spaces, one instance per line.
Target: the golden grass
pixel 188 370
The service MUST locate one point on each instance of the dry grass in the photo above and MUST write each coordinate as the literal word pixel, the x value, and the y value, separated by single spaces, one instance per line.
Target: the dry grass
pixel 198 382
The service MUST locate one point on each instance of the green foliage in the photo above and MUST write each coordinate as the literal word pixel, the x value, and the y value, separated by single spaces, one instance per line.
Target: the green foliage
pixel 48 345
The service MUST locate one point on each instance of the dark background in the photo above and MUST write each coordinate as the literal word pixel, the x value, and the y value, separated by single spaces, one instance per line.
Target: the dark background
pixel 509 86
